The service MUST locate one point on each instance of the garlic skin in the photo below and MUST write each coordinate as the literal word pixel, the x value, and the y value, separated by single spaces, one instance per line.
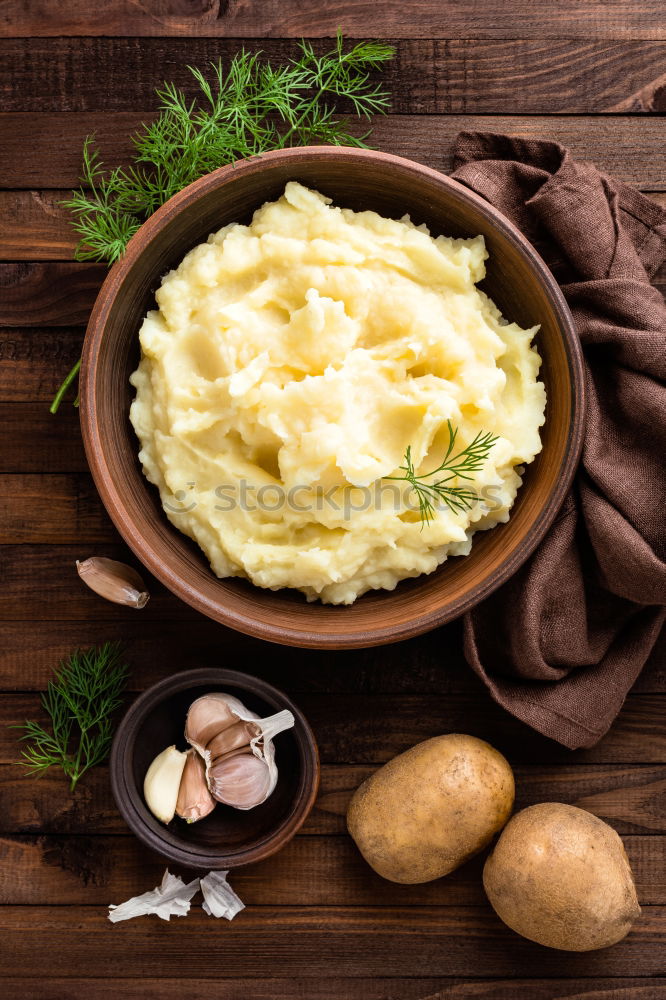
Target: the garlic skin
pixel 220 900
pixel 237 748
pixel 162 783
pixel 114 581
pixel 194 799
pixel 170 899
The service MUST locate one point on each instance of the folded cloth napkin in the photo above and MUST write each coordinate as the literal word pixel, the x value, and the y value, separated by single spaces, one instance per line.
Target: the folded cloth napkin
pixel 562 642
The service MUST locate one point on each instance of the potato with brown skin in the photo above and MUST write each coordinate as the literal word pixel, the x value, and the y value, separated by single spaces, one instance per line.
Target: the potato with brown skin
pixel 560 876
pixel 431 808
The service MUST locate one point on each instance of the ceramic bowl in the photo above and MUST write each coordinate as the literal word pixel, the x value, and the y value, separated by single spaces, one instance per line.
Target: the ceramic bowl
pixel 226 838
pixel 518 281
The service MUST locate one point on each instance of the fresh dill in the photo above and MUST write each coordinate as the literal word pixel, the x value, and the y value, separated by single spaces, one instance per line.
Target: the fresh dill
pixel 245 111
pixel 249 109
pixel 79 702
pixel 457 498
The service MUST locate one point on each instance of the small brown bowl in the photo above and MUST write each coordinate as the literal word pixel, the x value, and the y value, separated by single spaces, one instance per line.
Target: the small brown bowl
pixel 226 838
pixel 518 281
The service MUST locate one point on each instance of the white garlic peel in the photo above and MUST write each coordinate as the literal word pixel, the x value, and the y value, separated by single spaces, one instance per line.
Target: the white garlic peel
pixel 162 783
pixel 172 899
pixel 220 900
pixel 240 765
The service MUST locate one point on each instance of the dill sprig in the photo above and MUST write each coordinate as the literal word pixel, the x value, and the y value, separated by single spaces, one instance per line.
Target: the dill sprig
pixel 457 498
pixel 79 702
pixel 249 109
pixel 245 111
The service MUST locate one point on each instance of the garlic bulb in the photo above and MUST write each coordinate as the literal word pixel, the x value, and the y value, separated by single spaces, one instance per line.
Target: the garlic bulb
pixel 114 581
pixel 194 800
pixel 162 783
pixel 237 748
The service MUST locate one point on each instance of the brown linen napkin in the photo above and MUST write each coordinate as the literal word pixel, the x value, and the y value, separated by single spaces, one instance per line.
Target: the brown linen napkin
pixel 562 642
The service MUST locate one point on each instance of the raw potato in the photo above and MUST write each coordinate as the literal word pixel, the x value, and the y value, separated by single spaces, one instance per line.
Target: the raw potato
pixel 559 875
pixel 430 809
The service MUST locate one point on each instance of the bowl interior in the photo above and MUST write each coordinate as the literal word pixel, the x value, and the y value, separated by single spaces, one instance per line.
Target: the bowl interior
pixel 516 279
pixel 227 837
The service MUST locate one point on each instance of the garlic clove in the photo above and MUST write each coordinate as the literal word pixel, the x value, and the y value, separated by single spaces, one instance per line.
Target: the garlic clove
pixel 114 581
pixel 162 783
pixel 238 735
pixel 210 715
pixel 194 800
pixel 240 780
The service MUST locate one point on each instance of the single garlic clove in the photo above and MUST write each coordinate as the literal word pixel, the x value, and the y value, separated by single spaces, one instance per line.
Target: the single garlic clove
pixel 114 581
pixel 240 780
pixel 162 783
pixel 238 735
pixel 194 799
pixel 210 715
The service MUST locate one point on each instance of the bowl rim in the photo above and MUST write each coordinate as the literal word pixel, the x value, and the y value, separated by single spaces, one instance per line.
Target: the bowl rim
pixel 283 633
pixel 121 763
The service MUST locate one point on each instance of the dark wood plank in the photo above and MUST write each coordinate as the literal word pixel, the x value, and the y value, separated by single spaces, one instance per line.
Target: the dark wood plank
pixel 285 18
pixel 367 729
pixel 416 666
pixel 313 871
pixel 285 941
pixel 428 664
pixel 48 294
pixel 55 143
pixel 630 147
pixel 466 76
pixel 334 988
pixel 373 729
pixel 33 360
pixel 34 225
pixel 630 798
pixel 38 442
pixel 38 508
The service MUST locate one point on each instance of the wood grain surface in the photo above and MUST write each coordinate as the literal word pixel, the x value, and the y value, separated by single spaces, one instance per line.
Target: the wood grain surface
pixel 291 18
pixel 319 925
pixel 452 76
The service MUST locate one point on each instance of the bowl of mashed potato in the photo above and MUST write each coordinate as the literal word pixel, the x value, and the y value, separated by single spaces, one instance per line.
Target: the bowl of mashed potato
pixel 330 397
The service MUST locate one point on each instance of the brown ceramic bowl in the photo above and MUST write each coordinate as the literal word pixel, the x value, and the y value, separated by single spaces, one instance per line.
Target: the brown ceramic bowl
pixel 226 838
pixel 518 281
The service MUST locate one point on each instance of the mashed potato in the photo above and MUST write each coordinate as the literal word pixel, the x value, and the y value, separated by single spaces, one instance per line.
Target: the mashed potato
pixel 290 364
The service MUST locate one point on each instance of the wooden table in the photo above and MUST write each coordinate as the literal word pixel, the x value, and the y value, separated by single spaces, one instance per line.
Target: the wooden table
pixel 318 924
